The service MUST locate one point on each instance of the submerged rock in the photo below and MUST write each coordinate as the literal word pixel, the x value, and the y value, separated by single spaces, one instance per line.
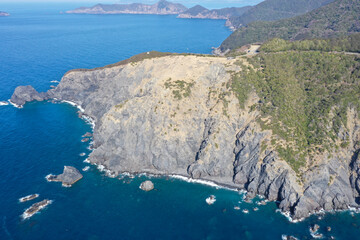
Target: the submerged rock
pixel 70 176
pixel 24 94
pixel 36 207
pixel 147 186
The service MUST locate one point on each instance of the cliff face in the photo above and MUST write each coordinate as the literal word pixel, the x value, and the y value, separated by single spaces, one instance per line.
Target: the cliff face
pixel 178 115
pixel 162 8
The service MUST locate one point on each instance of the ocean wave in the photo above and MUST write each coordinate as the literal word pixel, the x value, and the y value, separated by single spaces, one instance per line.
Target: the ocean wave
pixel 14 104
pixel 287 214
pixel 4 103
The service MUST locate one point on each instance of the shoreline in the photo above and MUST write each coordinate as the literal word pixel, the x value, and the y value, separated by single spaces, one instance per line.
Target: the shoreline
pixel 205 182
pixel 213 184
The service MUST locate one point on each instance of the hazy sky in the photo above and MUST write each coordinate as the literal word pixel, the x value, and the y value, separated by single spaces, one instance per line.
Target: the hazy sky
pixel 208 3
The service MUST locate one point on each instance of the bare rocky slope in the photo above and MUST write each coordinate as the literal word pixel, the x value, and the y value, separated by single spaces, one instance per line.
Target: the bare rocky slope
pixel 177 114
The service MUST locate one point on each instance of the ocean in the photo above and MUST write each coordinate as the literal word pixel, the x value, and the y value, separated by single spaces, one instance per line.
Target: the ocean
pixel 37 46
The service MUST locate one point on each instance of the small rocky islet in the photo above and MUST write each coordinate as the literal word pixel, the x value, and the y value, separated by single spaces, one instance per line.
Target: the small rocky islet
pixel 35 208
pixel 146 186
pixel 28 198
pixel 69 176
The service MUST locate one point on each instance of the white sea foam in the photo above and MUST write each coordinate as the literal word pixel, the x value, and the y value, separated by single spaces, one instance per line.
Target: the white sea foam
pixel 47 177
pixel 4 103
pixel 85 169
pixel 14 104
pixel 54 81
pixel 285 237
pixel 107 172
pixel 73 104
pixel 245 211
pixel 210 200
pixel 200 181
pixel 288 216
pixel 87 119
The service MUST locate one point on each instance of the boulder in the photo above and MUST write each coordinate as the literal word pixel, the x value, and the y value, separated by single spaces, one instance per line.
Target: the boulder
pixel 147 186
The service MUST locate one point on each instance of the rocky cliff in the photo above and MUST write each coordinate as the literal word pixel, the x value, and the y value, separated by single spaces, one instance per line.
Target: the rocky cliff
pixel 162 8
pixel 178 114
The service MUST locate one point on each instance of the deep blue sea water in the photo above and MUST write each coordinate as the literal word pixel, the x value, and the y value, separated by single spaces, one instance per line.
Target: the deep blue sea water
pixel 38 45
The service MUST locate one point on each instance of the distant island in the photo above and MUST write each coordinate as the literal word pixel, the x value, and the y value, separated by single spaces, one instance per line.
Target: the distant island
pixel 4 14
pixel 223 13
pixel 161 8
pixel 237 17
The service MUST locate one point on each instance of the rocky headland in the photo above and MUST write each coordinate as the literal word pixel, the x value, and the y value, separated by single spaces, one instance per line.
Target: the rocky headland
pixel 161 8
pixel 179 114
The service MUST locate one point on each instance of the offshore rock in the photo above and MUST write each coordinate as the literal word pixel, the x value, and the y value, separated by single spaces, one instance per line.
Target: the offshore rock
pixel 147 186
pixel 70 176
pixel 36 207
pixel 23 94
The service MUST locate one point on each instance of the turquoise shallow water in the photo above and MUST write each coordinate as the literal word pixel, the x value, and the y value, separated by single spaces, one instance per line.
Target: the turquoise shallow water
pixel 38 45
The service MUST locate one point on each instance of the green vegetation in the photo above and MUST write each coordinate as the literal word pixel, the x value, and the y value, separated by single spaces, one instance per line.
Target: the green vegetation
pixel 336 19
pixel 223 12
pixel 276 9
pixel 346 44
pixel 304 97
pixel 121 105
pixel 181 89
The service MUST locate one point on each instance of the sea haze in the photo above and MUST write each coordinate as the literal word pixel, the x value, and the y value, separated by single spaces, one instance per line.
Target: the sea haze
pixel 37 46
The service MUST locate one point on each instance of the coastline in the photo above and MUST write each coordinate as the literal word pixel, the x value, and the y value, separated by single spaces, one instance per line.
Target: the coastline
pixel 150 173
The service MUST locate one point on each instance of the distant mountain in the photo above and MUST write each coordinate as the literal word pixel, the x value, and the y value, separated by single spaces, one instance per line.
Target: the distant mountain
pixel 4 14
pixel 162 8
pixel 224 13
pixel 339 18
pixel 270 10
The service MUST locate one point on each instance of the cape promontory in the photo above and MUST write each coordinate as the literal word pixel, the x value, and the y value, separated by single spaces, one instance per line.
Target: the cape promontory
pixel 284 125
